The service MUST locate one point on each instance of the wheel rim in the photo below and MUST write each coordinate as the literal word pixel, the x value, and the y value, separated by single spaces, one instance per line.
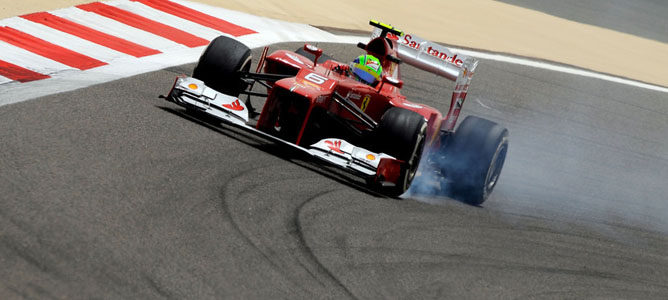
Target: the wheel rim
pixel 415 157
pixel 497 164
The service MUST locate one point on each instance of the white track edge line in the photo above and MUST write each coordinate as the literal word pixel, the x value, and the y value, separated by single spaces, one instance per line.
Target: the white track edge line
pixel 563 69
pixel 541 65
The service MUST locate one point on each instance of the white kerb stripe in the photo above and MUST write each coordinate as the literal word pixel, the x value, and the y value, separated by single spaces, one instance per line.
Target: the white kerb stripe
pixel 65 40
pixel 235 17
pixel 29 60
pixel 276 30
pixel 14 92
pixel 4 79
pixel 167 19
pixel 118 29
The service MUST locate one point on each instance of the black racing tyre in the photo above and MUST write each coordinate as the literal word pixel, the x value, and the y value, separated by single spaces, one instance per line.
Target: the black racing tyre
pixel 474 158
pixel 310 56
pixel 401 133
pixel 219 65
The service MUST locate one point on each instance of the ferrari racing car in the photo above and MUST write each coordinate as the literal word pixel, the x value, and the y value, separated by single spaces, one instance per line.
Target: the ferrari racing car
pixel 344 116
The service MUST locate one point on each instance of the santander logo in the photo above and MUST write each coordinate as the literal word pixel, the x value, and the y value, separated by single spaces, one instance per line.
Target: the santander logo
pixel 444 56
pixel 415 43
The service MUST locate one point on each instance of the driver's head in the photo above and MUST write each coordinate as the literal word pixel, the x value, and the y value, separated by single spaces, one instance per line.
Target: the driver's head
pixel 367 69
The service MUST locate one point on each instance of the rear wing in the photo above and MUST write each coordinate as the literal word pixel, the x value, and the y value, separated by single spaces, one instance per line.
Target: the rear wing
pixel 436 59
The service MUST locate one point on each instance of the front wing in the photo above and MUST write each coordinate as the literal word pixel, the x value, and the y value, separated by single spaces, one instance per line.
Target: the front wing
pixel 193 94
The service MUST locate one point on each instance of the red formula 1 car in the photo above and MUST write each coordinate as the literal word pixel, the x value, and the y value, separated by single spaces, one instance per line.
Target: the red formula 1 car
pixel 314 105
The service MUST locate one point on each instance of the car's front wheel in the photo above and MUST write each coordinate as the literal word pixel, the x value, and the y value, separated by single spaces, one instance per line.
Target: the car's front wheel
pixel 401 133
pixel 220 64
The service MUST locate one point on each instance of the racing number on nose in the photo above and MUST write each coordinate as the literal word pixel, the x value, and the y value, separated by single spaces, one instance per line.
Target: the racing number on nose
pixel 315 78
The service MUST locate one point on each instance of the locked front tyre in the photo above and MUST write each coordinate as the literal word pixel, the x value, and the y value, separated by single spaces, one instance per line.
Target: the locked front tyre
pixel 401 134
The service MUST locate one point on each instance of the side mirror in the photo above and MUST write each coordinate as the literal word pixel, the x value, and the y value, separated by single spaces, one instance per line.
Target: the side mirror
pixel 393 82
pixel 313 50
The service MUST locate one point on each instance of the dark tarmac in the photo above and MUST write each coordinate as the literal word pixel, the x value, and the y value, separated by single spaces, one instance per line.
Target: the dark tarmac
pixel 111 192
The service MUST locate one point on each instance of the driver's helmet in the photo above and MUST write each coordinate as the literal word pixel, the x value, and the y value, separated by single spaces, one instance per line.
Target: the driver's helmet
pixel 366 68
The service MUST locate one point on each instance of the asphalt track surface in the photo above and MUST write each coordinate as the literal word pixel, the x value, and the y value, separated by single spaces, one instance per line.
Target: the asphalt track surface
pixel 644 18
pixel 111 192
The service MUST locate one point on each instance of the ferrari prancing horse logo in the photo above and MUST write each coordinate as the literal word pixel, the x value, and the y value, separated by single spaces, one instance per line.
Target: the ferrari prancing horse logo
pixel 365 103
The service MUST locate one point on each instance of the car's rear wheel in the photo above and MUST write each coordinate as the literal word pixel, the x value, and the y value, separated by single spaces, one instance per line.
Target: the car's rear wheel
pixel 220 64
pixel 401 133
pixel 474 157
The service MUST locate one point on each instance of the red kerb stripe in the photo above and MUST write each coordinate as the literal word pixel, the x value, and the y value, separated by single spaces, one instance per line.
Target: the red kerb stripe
pixel 90 34
pixel 48 50
pixel 196 17
pixel 20 74
pixel 145 24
